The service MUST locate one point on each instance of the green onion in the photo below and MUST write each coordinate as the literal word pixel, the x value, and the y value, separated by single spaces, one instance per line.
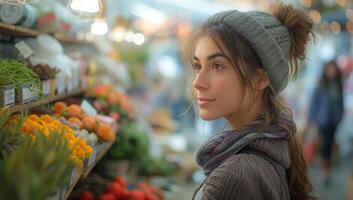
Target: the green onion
pixel 13 72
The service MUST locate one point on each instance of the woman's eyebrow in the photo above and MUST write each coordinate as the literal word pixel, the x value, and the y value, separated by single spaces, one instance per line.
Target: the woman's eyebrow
pixel 214 55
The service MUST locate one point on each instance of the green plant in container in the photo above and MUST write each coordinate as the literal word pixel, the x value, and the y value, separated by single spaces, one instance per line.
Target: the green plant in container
pixel 36 168
pixel 10 136
pixel 13 72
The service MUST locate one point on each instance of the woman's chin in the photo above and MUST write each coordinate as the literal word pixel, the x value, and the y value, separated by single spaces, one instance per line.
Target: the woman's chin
pixel 208 116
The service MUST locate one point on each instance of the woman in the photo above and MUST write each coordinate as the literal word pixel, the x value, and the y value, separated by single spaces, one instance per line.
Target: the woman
pixel 326 111
pixel 241 64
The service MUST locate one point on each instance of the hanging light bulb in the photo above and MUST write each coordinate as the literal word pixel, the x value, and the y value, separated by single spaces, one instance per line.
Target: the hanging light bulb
pixel 86 9
pixel 99 27
pixel 17 2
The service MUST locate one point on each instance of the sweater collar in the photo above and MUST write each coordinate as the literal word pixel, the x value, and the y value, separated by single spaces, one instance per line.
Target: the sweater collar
pixel 220 147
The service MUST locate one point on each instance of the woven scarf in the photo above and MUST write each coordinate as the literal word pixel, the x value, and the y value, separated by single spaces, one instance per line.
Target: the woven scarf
pixel 225 144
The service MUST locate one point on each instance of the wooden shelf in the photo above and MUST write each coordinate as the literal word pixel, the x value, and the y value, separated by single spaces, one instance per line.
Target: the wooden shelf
pixel 17 30
pixel 98 158
pixel 20 31
pixel 83 175
pixel 17 108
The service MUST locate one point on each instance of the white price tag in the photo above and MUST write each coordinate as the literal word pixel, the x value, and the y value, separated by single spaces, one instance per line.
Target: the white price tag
pixel 26 93
pixel 9 96
pixel 46 87
pixel 88 108
pixel 24 49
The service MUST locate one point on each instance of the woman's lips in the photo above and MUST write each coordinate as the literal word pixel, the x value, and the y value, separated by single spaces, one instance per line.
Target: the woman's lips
pixel 202 101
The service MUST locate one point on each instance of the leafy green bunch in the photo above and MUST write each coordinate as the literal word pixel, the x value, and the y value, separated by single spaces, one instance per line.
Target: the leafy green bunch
pixel 13 72
pixel 131 144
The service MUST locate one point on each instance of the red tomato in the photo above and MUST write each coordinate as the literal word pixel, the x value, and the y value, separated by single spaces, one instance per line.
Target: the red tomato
pixel 121 181
pixel 137 195
pixel 86 195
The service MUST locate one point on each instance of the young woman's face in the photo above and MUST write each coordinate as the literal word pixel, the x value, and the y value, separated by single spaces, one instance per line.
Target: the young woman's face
pixel 218 89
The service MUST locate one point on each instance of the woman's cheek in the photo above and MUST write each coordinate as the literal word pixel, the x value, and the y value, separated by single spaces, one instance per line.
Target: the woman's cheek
pixel 220 84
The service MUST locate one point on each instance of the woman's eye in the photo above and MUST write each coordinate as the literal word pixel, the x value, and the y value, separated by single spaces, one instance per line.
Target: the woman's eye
pixel 197 67
pixel 217 67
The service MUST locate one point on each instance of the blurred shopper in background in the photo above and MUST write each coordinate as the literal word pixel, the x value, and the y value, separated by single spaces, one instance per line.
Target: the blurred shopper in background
pixel 326 111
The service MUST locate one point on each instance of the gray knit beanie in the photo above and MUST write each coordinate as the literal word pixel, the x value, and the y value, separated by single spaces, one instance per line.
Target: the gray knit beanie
pixel 267 36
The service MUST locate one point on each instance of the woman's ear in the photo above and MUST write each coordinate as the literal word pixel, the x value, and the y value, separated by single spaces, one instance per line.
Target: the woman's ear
pixel 262 80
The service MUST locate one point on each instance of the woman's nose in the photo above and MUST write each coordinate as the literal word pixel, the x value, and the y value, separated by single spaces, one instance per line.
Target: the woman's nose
pixel 201 81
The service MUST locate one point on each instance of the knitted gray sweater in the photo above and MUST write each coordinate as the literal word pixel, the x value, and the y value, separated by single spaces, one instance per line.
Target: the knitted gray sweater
pixel 232 174
pixel 247 176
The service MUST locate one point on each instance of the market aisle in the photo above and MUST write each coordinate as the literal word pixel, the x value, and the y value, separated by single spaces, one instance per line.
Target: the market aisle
pixel 336 190
pixel 183 192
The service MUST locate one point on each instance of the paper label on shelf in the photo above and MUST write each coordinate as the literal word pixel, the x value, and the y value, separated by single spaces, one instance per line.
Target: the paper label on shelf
pixel 9 96
pixel 88 108
pixel 46 87
pixel 24 49
pixel 26 93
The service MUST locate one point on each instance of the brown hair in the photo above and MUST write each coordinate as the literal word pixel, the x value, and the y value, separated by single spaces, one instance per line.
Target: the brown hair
pixel 246 62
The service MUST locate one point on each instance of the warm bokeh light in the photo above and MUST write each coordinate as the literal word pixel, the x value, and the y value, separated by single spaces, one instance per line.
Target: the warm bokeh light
pixel 315 16
pixel 335 27
pixel 349 27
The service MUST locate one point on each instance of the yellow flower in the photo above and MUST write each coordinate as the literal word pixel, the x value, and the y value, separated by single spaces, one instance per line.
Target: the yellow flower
pixel 33 117
pixel 56 123
pixel 46 125
pixel 88 150
pixel 80 152
pixel 46 118
pixel 46 131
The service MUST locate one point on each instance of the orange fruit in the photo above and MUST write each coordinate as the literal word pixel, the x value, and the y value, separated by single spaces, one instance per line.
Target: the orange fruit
pixel 59 107
pixel 75 120
pixel 89 123
pixel 105 132
pixel 74 110
pixel 84 115
pixel 113 98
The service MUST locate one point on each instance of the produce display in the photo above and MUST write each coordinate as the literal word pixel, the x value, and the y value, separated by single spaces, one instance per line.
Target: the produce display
pixel 51 141
pixel 47 125
pixel 131 144
pixel 117 189
pixel 10 132
pixel 32 166
pixel 45 72
pixel 148 166
pixel 87 127
pixel 111 102
pixel 15 72
pixel 25 81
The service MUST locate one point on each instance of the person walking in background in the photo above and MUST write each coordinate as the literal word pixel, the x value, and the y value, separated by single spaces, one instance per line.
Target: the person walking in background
pixel 326 111
pixel 242 61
